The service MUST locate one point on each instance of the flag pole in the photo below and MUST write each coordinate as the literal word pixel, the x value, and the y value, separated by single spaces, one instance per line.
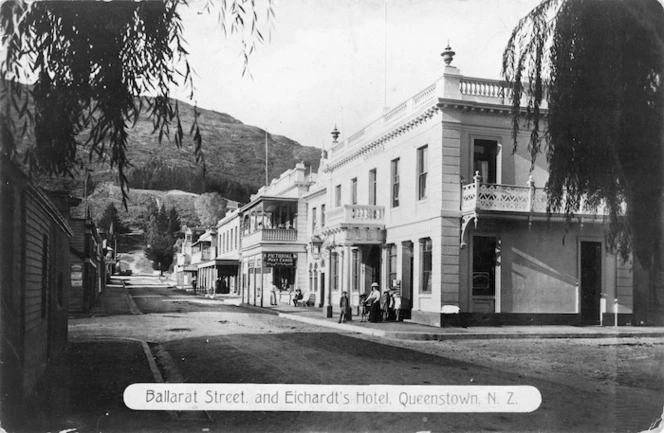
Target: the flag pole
pixel 266 179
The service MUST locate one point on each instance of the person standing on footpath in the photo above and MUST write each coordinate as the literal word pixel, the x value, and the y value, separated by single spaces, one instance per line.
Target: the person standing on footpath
pixel 374 301
pixel 385 304
pixel 273 295
pixel 397 307
pixel 344 305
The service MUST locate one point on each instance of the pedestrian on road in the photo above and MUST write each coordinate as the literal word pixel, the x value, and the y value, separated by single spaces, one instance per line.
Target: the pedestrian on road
pixel 193 284
pixel 344 306
pixel 217 285
pixel 374 301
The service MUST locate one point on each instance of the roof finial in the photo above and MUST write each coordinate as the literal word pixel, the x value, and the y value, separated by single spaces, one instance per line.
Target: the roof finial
pixel 448 54
pixel 335 134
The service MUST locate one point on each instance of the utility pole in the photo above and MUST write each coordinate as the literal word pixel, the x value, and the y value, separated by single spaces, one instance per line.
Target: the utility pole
pixel 266 175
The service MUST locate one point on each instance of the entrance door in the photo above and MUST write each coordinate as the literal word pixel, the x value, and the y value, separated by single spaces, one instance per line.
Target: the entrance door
pixel 322 289
pixel 484 274
pixel 372 266
pixel 407 278
pixel 591 281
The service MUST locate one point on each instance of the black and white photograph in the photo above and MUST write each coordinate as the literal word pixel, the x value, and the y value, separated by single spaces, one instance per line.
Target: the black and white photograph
pixel 331 216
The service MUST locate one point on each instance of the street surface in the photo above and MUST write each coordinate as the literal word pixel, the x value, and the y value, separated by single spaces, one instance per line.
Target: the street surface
pixel 587 385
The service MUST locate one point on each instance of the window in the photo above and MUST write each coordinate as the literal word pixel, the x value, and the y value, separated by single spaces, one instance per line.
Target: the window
pixel 395 182
pixel 353 191
pixel 372 187
pixel 422 171
pixel 391 264
pixel 485 155
pixel 425 265
pixel 334 264
pixel 322 215
pixel 313 219
pixel 356 270
pixel 337 195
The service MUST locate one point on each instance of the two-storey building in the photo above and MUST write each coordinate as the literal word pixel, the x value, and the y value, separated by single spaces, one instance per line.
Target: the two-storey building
pixel 203 256
pixel 274 238
pixel 430 200
pixel 184 269
pixel 227 261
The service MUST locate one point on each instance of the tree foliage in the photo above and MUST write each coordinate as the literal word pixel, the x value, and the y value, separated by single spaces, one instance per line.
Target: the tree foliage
pixel 210 208
pixel 599 66
pixel 159 176
pixel 111 218
pixel 91 66
pixel 161 234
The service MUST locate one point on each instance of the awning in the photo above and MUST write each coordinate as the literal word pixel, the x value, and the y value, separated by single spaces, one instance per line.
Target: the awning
pixel 218 262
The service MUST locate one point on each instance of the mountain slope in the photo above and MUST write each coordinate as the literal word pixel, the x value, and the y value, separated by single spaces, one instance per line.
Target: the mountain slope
pixel 231 149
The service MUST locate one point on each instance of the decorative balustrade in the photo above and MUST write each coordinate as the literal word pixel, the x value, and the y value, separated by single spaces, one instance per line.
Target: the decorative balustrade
pixel 281 235
pixel 356 214
pixel 270 235
pixel 484 88
pixel 478 196
pixel 396 113
pixel 201 256
pixel 427 95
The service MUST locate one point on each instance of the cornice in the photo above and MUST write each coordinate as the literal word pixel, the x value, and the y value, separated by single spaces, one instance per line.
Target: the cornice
pixel 378 145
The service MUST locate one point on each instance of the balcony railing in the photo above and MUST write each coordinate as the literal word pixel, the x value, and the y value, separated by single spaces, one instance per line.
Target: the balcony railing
pixel 357 214
pixel 201 256
pixel 271 235
pixel 478 196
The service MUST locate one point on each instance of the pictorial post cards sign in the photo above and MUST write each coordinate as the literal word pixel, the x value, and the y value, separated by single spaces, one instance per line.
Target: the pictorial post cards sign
pixel 274 260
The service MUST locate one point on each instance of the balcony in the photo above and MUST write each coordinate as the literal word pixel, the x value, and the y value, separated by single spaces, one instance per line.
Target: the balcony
pixel 479 197
pixel 202 256
pixel 357 215
pixel 270 235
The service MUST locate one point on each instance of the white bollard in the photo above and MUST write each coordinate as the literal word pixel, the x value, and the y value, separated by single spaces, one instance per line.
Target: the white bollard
pixel 615 312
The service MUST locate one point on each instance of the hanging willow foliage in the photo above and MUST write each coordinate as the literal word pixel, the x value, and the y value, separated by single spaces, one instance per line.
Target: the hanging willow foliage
pixel 599 65
pixel 94 67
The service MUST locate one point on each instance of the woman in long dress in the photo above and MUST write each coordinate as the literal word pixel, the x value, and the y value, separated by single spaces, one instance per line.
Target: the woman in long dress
pixel 374 299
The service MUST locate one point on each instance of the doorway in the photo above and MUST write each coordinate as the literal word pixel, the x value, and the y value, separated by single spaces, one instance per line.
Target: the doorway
pixel 372 263
pixel 407 278
pixel 484 274
pixel 591 281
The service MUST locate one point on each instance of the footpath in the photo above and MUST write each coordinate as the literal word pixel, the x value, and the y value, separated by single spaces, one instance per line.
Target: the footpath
pixel 413 331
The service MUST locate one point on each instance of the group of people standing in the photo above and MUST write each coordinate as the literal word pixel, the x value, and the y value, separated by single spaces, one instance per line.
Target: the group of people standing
pixel 376 307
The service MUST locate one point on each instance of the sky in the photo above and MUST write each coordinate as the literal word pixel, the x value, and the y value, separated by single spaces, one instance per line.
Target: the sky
pixel 341 62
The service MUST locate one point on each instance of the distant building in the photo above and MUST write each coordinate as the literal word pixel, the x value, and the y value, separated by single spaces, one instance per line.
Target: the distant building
pixel 34 285
pixel 184 270
pixel 88 270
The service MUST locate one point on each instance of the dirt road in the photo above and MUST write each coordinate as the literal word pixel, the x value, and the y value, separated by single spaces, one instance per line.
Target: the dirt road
pixel 586 385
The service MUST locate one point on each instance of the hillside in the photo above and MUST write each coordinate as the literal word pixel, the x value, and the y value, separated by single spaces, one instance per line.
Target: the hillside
pixel 231 149
pixel 106 193
pixel 234 155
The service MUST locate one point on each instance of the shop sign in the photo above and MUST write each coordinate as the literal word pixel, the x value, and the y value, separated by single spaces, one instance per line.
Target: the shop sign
pixel 279 259
pixel 76 275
